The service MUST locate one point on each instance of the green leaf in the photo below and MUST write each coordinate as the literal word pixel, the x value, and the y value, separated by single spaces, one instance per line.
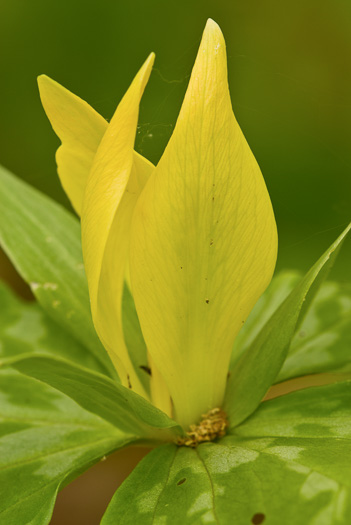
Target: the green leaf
pixel 323 341
pixel 288 480
pixel 278 290
pixel 42 240
pixel 100 395
pixel 259 366
pixel 46 440
pixel 238 481
pixel 25 328
pixel 323 411
pixel 137 498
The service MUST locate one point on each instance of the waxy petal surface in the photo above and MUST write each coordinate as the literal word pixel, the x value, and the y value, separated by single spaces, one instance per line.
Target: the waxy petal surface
pixel 204 240
pixel 114 185
pixel 80 129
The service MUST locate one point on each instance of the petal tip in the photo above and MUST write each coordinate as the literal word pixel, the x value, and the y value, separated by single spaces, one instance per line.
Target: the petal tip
pixel 42 80
pixel 145 71
pixel 212 27
pixel 46 84
pixel 211 23
pixel 149 62
pixel 151 57
pixel 213 37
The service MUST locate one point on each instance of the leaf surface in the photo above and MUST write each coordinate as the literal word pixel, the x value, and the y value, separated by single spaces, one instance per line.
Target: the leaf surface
pixel 241 481
pixel 42 240
pixel 322 343
pixel 45 441
pixel 98 394
pixel 323 411
pixel 25 328
pixel 278 290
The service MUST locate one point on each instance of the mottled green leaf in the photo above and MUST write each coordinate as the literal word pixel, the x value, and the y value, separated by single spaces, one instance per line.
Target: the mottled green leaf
pixel 270 480
pixel 45 440
pixel 324 466
pixel 279 288
pixel 321 411
pixel 321 344
pixel 295 480
pixel 42 239
pixel 100 395
pixel 25 328
pixel 323 341
pixel 260 364
pixel 136 500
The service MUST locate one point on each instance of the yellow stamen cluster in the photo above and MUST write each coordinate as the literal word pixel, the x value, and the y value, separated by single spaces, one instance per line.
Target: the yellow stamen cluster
pixel 213 425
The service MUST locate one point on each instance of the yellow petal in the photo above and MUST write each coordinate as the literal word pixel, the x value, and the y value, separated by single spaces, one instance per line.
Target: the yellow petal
pixel 159 391
pixel 203 241
pixel 80 129
pixel 116 179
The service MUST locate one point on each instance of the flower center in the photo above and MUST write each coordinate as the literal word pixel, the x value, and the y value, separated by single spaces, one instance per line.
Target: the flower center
pixel 213 425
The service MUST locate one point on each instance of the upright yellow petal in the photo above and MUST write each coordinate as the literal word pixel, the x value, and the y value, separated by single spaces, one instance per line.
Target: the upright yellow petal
pixel 203 242
pixel 115 182
pixel 80 129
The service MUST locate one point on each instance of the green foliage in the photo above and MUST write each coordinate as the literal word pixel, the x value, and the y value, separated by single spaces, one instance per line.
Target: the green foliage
pixel 26 329
pixel 240 480
pixel 318 412
pixel 111 401
pixel 323 341
pixel 278 290
pixel 46 439
pixel 287 460
pixel 43 241
pixel 257 368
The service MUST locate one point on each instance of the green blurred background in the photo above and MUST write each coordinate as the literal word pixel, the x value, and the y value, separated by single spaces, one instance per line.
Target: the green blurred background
pixel 290 79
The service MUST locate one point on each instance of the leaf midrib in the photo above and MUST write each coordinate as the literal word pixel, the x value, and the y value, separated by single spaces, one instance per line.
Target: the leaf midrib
pixel 164 486
pixel 212 486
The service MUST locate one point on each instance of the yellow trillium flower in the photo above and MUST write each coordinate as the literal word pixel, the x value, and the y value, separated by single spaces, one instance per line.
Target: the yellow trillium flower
pixel 195 236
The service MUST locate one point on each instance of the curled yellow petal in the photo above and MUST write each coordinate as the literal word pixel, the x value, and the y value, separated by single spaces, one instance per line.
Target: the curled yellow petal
pixel 203 241
pixel 114 185
pixel 80 129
